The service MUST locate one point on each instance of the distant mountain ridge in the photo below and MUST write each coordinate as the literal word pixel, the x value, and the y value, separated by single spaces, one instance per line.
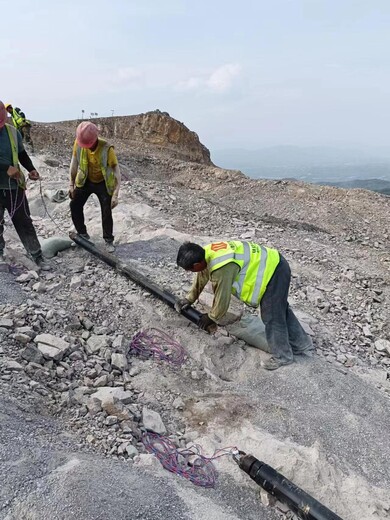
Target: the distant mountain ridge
pixel 377 185
pixel 319 165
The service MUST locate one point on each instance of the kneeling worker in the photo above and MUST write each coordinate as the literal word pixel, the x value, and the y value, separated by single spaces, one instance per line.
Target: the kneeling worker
pixel 258 276
pixel 94 169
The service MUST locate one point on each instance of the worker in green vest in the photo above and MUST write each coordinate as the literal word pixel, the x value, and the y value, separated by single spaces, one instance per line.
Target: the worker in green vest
pixel 94 169
pixel 13 190
pixel 20 123
pixel 257 275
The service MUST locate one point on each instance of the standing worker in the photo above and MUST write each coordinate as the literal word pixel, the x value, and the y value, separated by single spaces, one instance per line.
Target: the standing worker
pixel 21 123
pixel 258 276
pixel 94 169
pixel 13 189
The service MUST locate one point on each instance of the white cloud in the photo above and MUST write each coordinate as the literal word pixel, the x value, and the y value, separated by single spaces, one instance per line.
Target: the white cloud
pixel 222 78
pixel 192 83
pixel 169 76
pixel 129 77
pixel 219 80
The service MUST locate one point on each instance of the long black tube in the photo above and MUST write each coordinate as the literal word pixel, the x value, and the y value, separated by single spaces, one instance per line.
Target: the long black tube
pixel 190 313
pixel 304 505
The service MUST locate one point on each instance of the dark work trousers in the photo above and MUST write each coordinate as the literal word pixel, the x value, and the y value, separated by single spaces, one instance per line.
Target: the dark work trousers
pixel 80 197
pixel 284 333
pixel 15 202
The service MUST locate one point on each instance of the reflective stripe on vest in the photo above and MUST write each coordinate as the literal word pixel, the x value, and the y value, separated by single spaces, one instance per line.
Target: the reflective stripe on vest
pixel 239 284
pixel 257 265
pixel 223 258
pixel 107 172
pixel 13 139
pixel 17 119
pixel 260 275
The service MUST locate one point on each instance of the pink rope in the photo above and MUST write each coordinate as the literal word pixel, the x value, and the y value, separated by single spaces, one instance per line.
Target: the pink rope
pixel 187 462
pixel 157 344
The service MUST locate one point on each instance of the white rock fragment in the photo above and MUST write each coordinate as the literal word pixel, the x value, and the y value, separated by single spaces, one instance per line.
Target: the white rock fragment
pixel 119 361
pixel 152 421
pixel 383 345
pixel 51 347
pixel 95 343
pixel 108 393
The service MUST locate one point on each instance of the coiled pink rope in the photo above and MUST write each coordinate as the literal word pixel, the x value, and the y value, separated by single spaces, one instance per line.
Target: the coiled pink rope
pixel 157 344
pixel 187 462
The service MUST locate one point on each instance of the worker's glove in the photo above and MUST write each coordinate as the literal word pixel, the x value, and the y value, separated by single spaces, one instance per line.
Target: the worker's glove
pixel 71 192
pixel 114 201
pixel 206 323
pixel 182 304
pixel 13 172
pixel 33 175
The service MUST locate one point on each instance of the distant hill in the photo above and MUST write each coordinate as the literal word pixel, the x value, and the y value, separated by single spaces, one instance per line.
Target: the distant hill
pixel 320 165
pixel 378 185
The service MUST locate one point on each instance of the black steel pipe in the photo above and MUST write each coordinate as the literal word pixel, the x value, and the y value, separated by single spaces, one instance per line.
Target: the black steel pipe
pixel 170 299
pixel 303 504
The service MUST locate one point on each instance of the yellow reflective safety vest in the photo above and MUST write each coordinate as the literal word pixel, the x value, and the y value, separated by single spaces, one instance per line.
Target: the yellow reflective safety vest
pixel 18 120
pixel 257 265
pixel 13 139
pixel 107 171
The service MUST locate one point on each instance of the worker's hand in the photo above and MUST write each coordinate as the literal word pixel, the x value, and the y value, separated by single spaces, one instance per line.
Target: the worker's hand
pixel 114 201
pixel 182 304
pixel 206 323
pixel 33 175
pixel 71 192
pixel 13 172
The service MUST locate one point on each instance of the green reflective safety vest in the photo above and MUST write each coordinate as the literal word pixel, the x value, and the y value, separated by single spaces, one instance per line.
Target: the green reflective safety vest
pixel 257 265
pixel 13 139
pixel 18 120
pixel 107 171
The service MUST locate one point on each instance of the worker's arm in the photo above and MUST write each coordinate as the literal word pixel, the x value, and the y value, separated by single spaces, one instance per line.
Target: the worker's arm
pixel 222 280
pixel 23 156
pixel 113 163
pixel 198 285
pixel 74 164
pixel 73 171
pixel 115 195
pixel 117 174
pixel 25 161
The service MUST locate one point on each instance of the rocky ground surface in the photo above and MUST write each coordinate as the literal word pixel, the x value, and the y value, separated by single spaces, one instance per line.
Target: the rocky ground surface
pixel 75 402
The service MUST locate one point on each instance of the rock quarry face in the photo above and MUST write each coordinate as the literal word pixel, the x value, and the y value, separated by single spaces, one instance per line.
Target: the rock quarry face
pixel 74 401
pixel 153 130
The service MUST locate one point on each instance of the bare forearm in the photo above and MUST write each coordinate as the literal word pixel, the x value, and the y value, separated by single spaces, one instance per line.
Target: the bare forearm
pixel 117 174
pixel 73 170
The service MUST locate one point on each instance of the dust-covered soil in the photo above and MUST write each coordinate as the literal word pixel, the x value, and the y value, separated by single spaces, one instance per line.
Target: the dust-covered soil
pixel 323 421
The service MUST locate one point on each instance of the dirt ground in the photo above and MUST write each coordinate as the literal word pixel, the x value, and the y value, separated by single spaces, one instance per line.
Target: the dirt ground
pixel 323 422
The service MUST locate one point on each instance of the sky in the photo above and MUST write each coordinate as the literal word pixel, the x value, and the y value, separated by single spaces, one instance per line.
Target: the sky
pixel 242 74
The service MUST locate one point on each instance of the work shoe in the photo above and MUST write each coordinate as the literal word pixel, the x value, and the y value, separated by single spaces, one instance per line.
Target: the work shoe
pixel 42 263
pixel 84 235
pixel 308 352
pixel 273 363
pixel 110 247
